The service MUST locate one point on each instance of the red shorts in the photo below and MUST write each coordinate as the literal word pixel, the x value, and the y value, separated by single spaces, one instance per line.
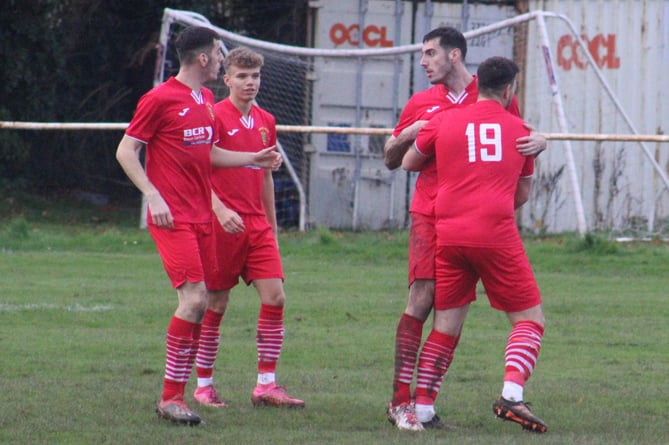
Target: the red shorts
pixel 251 255
pixel 505 272
pixel 188 252
pixel 422 247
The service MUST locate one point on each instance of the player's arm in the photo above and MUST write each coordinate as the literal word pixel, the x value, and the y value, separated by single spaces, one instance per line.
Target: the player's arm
pixel 396 147
pixel 127 155
pixel 227 218
pixel 530 145
pixel 533 144
pixel 522 191
pixel 268 201
pixel 266 158
pixel 413 160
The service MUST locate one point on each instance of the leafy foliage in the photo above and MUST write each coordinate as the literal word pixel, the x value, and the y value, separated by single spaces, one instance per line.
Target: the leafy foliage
pixel 90 61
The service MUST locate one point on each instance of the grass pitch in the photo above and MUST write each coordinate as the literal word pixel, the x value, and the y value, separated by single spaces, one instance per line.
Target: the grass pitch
pixel 84 308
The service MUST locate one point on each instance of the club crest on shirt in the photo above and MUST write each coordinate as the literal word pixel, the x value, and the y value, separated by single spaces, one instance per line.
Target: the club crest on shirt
pixel 264 134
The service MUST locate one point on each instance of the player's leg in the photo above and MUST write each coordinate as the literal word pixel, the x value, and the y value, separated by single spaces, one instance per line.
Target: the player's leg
pixel 435 359
pixel 409 331
pixel 408 337
pixel 269 342
pixel 511 287
pixel 455 290
pixel 223 266
pixel 207 352
pixel 520 358
pixel 264 270
pixel 179 251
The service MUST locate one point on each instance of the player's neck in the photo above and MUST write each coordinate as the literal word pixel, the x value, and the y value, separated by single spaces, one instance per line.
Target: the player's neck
pixel 459 81
pixel 191 80
pixel 243 106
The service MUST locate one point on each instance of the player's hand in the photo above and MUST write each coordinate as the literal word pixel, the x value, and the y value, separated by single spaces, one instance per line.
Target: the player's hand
pixel 268 158
pixel 533 144
pixel 160 212
pixel 230 220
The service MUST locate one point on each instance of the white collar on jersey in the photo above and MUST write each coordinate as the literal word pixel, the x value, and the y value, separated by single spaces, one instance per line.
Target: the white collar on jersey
pixel 247 122
pixel 197 97
pixel 457 99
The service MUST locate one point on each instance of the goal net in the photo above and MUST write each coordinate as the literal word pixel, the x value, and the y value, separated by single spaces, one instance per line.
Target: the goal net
pixel 336 104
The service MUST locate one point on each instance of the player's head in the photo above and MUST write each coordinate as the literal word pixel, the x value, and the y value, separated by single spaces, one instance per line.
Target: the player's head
pixel 449 38
pixel 242 73
pixel 443 55
pixel 195 41
pixel 497 79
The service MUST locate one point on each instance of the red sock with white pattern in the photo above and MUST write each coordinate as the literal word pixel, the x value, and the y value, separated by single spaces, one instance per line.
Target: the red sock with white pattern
pixel 520 357
pixel 407 344
pixel 208 348
pixel 181 345
pixel 434 361
pixel 269 340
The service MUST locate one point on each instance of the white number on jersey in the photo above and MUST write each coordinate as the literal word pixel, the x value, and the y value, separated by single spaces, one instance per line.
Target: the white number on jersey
pixel 490 138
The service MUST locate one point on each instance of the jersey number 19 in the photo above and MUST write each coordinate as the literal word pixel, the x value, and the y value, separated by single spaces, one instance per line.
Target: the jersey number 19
pixel 490 139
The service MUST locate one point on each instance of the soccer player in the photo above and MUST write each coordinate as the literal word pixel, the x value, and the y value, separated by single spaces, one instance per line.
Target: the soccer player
pixel 443 59
pixel 246 235
pixel 175 121
pixel 482 179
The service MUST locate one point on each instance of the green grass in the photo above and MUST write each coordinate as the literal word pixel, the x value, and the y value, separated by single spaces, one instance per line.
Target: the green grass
pixel 84 307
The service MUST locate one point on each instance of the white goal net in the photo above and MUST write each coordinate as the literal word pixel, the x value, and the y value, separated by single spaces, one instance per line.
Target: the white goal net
pixel 336 106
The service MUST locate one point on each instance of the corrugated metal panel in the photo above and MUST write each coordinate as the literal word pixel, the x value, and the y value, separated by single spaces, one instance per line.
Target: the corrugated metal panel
pixel 349 185
pixel 628 40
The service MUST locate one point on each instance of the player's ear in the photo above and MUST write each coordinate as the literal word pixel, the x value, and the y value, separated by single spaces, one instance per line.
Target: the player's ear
pixel 455 54
pixel 204 59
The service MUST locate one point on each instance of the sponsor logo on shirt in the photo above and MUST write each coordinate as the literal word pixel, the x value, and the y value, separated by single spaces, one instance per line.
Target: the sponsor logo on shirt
pixel 183 112
pixel 433 109
pixel 198 135
pixel 233 132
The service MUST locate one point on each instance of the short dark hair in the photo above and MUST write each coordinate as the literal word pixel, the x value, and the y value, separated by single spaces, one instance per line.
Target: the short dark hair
pixel 495 73
pixel 194 40
pixel 449 38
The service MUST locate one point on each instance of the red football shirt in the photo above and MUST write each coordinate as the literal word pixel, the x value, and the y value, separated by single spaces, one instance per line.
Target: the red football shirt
pixel 177 126
pixel 241 188
pixel 478 168
pixel 423 106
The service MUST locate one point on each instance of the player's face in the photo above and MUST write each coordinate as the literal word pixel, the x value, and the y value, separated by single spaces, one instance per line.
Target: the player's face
pixel 435 62
pixel 244 83
pixel 214 61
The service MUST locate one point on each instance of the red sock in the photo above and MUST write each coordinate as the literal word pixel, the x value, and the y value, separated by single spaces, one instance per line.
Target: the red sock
pixel 434 361
pixel 197 329
pixel 180 347
pixel 522 351
pixel 209 341
pixel 407 343
pixel 269 337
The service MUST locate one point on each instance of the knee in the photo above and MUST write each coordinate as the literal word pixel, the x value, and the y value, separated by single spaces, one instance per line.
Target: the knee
pixel 274 299
pixel 421 300
pixel 217 301
pixel 192 302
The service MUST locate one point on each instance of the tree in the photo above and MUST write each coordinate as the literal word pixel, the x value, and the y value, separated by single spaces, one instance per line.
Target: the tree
pixel 90 61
